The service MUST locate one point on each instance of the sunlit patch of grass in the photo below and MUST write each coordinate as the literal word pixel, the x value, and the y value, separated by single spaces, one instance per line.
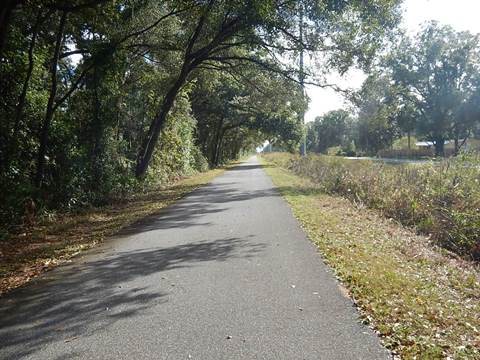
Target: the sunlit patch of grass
pixel 424 304
pixel 27 254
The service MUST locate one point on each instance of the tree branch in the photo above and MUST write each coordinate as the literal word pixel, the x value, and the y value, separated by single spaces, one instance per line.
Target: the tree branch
pixel 74 86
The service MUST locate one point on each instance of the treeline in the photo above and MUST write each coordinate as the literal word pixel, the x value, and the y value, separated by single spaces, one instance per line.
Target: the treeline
pixel 102 98
pixel 427 86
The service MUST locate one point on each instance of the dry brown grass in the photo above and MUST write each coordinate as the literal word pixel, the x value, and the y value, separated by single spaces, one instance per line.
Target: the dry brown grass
pixel 440 199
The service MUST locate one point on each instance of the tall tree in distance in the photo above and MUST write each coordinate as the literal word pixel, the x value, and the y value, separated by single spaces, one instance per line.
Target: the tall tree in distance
pixel 332 129
pixel 376 127
pixel 437 74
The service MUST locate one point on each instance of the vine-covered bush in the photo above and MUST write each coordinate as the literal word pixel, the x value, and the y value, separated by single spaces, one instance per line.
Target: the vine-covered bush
pixel 177 154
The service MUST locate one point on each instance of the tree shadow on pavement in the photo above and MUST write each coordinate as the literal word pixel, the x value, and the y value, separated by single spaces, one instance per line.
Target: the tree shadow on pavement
pixel 250 167
pixel 191 210
pixel 82 299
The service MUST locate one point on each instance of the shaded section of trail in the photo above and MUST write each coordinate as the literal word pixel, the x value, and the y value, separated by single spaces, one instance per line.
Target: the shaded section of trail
pixel 225 273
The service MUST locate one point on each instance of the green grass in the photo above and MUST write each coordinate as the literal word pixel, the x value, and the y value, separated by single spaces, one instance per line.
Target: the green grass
pixel 424 304
pixel 26 254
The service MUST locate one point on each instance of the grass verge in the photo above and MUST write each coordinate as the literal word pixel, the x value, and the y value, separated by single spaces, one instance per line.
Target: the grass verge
pixel 440 199
pixel 424 303
pixel 27 254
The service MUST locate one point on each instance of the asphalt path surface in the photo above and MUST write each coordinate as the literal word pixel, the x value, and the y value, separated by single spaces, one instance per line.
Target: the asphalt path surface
pixel 224 273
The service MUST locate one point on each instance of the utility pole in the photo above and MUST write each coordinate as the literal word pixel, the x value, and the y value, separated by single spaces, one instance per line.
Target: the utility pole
pixel 303 147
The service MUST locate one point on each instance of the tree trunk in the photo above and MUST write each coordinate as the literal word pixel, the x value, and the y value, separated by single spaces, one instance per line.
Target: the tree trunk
pixel 216 143
pixel 238 147
pixel 50 105
pixel 464 141
pixel 97 135
pixel 439 146
pixel 5 15
pixel 219 148
pixel 192 59
pixel 23 95
pixel 148 145
pixel 408 137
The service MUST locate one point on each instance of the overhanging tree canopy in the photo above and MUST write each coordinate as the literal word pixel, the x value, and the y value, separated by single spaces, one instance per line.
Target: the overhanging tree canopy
pixel 89 89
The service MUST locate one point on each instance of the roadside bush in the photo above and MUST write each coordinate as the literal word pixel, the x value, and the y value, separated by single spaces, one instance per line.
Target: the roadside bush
pixel 441 199
pixel 199 160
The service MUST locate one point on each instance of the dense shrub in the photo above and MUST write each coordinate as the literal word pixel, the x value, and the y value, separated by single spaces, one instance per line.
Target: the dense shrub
pixel 441 199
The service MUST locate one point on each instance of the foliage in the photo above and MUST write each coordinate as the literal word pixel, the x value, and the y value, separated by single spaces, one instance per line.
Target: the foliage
pixel 88 89
pixel 437 76
pixel 331 129
pixel 266 107
pixel 93 135
pixel 439 199
pixel 375 128
pixel 102 99
pixel 403 143
pixel 426 86
pixel 224 35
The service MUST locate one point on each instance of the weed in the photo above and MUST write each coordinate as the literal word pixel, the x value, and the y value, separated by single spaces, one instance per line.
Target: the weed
pixel 440 199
